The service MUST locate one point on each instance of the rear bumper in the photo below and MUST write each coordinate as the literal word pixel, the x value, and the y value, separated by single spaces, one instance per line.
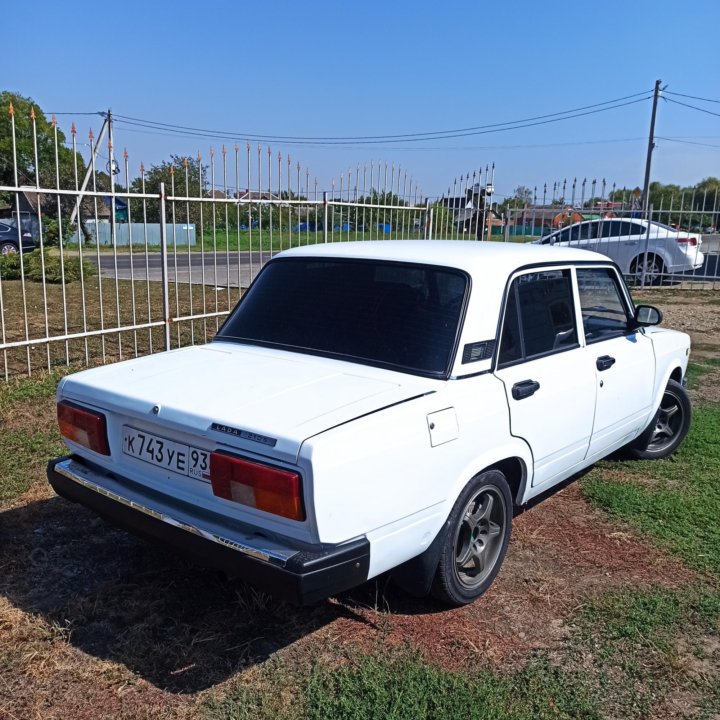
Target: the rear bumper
pixel 298 575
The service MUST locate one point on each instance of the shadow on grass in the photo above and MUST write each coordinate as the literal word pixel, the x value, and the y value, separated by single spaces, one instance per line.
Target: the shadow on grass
pixel 180 627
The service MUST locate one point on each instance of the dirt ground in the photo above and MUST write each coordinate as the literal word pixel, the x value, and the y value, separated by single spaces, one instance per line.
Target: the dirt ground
pixel 97 624
pixel 701 321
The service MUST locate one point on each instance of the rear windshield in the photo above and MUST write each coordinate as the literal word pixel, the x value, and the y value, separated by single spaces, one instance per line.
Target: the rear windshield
pixel 378 313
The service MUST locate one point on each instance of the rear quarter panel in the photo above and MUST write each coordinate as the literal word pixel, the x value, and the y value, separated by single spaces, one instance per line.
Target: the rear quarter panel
pixel 380 476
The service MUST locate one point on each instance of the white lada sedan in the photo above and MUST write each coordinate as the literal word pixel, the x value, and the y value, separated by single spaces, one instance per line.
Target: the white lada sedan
pixel 376 406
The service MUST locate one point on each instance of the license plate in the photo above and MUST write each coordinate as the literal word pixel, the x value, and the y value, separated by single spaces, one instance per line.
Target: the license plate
pixel 166 454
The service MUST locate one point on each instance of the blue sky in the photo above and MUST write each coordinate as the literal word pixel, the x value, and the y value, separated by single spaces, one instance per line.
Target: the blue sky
pixel 382 68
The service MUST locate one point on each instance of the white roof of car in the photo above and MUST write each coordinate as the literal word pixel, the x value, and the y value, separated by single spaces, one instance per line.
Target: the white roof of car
pixel 475 257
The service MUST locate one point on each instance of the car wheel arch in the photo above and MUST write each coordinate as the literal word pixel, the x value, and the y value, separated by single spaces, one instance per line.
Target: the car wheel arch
pixel 515 471
pixel 416 575
pixel 676 375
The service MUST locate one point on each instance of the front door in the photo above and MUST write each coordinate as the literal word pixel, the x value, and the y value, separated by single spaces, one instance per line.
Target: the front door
pixel 624 360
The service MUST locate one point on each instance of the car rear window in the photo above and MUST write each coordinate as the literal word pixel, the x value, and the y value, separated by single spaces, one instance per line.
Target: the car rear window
pixel 399 315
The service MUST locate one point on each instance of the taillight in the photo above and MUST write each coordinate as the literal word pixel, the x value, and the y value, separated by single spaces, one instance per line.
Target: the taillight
pixel 689 240
pixel 264 487
pixel 85 427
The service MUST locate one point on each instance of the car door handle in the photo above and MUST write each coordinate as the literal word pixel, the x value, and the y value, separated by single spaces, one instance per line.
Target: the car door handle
pixel 604 362
pixel 525 388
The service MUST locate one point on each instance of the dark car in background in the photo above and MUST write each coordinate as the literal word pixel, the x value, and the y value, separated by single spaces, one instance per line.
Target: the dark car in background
pixel 9 241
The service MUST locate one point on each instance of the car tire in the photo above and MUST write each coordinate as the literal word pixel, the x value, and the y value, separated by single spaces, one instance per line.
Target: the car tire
pixel 654 269
pixel 668 428
pixel 476 540
pixel 8 248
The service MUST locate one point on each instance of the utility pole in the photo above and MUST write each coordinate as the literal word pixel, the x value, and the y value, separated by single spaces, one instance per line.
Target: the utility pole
pixel 106 123
pixel 651 147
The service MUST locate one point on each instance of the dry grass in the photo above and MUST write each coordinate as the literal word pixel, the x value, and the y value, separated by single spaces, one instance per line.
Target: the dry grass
pixel 108 304
pixel 97 624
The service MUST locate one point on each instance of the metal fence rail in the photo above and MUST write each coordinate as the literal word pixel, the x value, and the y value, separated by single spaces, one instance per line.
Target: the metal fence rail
pixel 120 265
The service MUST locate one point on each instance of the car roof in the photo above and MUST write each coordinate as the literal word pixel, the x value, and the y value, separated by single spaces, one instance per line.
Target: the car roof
pixel 476 257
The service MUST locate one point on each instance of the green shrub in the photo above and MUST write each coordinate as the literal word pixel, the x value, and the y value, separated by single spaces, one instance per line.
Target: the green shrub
pixel 10 268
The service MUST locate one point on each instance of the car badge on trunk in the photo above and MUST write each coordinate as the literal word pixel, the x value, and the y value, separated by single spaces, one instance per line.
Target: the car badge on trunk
pixel 244 434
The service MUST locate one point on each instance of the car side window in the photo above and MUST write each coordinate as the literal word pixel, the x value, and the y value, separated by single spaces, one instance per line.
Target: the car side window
pixel 539 317
pixel 588 231
pixel 562 236
pixel 609 228
pixel 604 311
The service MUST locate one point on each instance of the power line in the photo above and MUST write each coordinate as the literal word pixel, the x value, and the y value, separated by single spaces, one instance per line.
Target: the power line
pixel 692 97
pixel 689 142
pixel 350 142
pixel 454 148
pixel 435 134
pixel 693 107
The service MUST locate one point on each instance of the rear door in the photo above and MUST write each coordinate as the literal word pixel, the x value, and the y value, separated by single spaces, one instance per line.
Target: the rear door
pixel 549 383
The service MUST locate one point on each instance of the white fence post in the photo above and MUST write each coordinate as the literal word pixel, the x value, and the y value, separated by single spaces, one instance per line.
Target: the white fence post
pixel 164 267
pixel 325 217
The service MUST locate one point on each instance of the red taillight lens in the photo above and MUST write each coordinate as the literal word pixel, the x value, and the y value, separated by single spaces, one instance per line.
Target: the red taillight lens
pixel 260 486
pixel 85 427
pixel 687 241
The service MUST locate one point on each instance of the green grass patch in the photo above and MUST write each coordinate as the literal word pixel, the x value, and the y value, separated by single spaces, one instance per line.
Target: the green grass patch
pixel 677 500
pixel 649 645
pixel 28 433
pixel 652 617
pixel 15 449
pixel 400 686
pixel 696 370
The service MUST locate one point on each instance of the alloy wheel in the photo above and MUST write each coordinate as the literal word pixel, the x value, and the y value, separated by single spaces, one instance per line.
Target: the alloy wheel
pixel 479 537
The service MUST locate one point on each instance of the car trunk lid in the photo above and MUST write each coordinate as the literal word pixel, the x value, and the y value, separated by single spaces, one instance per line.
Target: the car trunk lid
pixel 257 399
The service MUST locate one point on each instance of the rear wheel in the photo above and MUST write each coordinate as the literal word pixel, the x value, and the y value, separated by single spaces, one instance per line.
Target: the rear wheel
pixel 652 269
pixel 7 248
pixel 477 539
pixel 669 426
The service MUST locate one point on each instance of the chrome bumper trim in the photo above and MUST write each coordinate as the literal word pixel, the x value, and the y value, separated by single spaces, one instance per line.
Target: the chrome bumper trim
pixel 82 476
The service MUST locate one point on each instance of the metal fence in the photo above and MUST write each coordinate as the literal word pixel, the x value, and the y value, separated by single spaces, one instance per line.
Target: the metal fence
pixel 121 264
pixel 119 269
pixel 674 242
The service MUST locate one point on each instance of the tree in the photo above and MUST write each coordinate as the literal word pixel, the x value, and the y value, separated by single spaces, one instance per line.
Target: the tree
pixel 184 174
pixel 22 161
pixel 521 198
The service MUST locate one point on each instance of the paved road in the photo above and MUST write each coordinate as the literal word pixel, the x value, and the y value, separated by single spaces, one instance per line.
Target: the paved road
pixel 209 268
pixel 214 269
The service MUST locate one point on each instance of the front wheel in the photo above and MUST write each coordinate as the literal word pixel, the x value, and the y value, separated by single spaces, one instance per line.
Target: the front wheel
pixel 7 248
pixel 476 542
pixel 668 428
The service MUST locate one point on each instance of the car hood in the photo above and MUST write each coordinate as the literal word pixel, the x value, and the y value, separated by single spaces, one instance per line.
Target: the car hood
pixel 262 400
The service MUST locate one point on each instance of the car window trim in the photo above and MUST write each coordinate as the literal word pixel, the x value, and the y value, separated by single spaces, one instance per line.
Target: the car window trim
pixel 526 270
pixel 625 297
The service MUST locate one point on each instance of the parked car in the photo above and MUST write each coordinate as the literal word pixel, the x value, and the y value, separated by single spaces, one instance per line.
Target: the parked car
pixel 376 406
pixel 9 240
pixel 626 241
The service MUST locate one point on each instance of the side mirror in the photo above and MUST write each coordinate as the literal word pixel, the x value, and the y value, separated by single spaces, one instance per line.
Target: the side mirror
pixel 646 315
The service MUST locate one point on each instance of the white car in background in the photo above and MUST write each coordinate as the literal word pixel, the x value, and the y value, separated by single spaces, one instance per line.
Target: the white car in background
pixel 627 240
